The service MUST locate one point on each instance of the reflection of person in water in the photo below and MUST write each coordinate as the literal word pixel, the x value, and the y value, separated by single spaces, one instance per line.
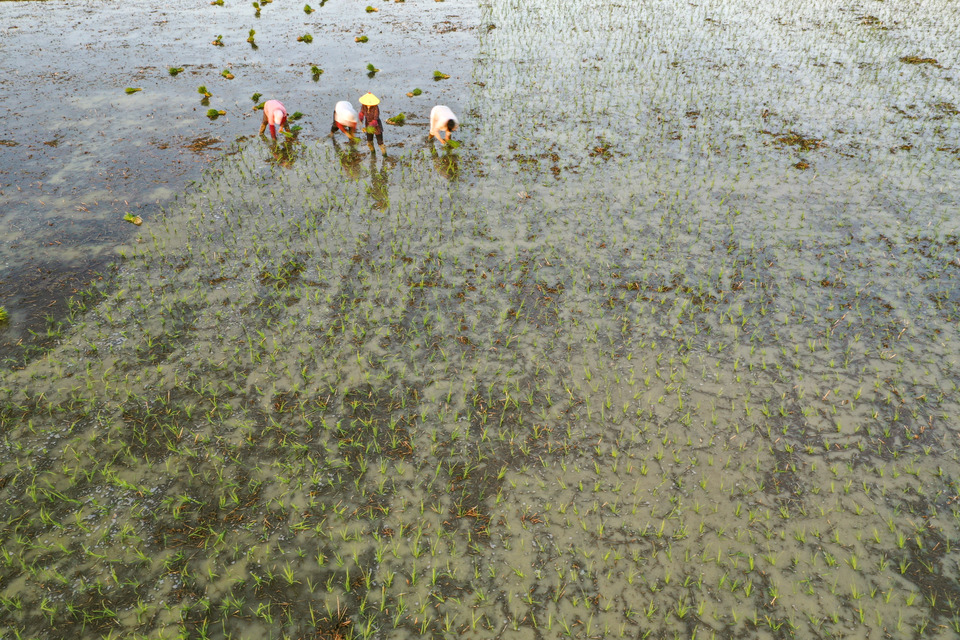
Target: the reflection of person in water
pixel 379 185
pixel 283 154
pixel 349 160
pixel 344 119
pixel 448 164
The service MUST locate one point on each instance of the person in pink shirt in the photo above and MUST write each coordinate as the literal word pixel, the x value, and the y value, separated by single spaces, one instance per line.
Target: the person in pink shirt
pixel 275 115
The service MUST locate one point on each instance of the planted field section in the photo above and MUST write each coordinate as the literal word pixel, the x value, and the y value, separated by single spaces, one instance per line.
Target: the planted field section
pixel 626 371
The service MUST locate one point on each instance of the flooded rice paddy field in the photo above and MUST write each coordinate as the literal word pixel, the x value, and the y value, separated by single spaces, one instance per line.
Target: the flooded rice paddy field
pixel 78 151
pixel 666 348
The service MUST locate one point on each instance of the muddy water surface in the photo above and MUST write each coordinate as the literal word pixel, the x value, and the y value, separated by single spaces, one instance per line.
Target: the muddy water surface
pixel 666 348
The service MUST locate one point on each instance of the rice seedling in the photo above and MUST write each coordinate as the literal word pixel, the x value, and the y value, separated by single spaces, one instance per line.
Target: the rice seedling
pixel 415 92
pixel 439 75
pixel 361 39
pixel 173 71
pixel 307 38
pixel 217 41
pixel 130 90
pixel 371 9
pixel 226 73
pixel 307 9
pixel 202 90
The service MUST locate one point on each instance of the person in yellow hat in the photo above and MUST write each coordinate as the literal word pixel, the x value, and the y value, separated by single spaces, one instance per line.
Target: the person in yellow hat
pixel 369 120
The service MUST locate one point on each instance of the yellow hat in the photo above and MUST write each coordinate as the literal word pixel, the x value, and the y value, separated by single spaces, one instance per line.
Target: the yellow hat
pixel 369 99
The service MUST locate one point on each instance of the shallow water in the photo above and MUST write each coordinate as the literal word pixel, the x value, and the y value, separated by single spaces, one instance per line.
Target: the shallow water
pixel 674 386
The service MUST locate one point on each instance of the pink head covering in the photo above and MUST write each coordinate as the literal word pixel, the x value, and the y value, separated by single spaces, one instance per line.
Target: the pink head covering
pixel 275 111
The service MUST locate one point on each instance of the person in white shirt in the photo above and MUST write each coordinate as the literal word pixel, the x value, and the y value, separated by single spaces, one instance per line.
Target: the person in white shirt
pixel 442 119
pixel 344 119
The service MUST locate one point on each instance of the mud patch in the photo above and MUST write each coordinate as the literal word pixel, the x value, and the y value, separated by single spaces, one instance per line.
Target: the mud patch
pixel 203 143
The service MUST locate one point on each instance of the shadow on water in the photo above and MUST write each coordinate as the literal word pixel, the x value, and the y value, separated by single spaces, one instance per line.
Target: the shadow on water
pixel 446 161
pixel 350 158
pixel 379 187
pixel 282 153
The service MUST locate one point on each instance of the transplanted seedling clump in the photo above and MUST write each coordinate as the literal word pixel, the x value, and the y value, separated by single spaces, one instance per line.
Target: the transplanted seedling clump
pixel 920 60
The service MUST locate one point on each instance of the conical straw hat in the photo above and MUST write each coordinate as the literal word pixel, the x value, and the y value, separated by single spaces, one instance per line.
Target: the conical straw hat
pixel 369 99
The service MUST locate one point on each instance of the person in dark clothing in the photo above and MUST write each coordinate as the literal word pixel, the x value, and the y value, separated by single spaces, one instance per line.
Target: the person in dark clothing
pixel 369 120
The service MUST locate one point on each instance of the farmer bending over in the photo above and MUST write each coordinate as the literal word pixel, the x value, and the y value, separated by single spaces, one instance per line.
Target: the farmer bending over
pixel 442 119
pixel 370 114
pixel 344 119
pixel 275 115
